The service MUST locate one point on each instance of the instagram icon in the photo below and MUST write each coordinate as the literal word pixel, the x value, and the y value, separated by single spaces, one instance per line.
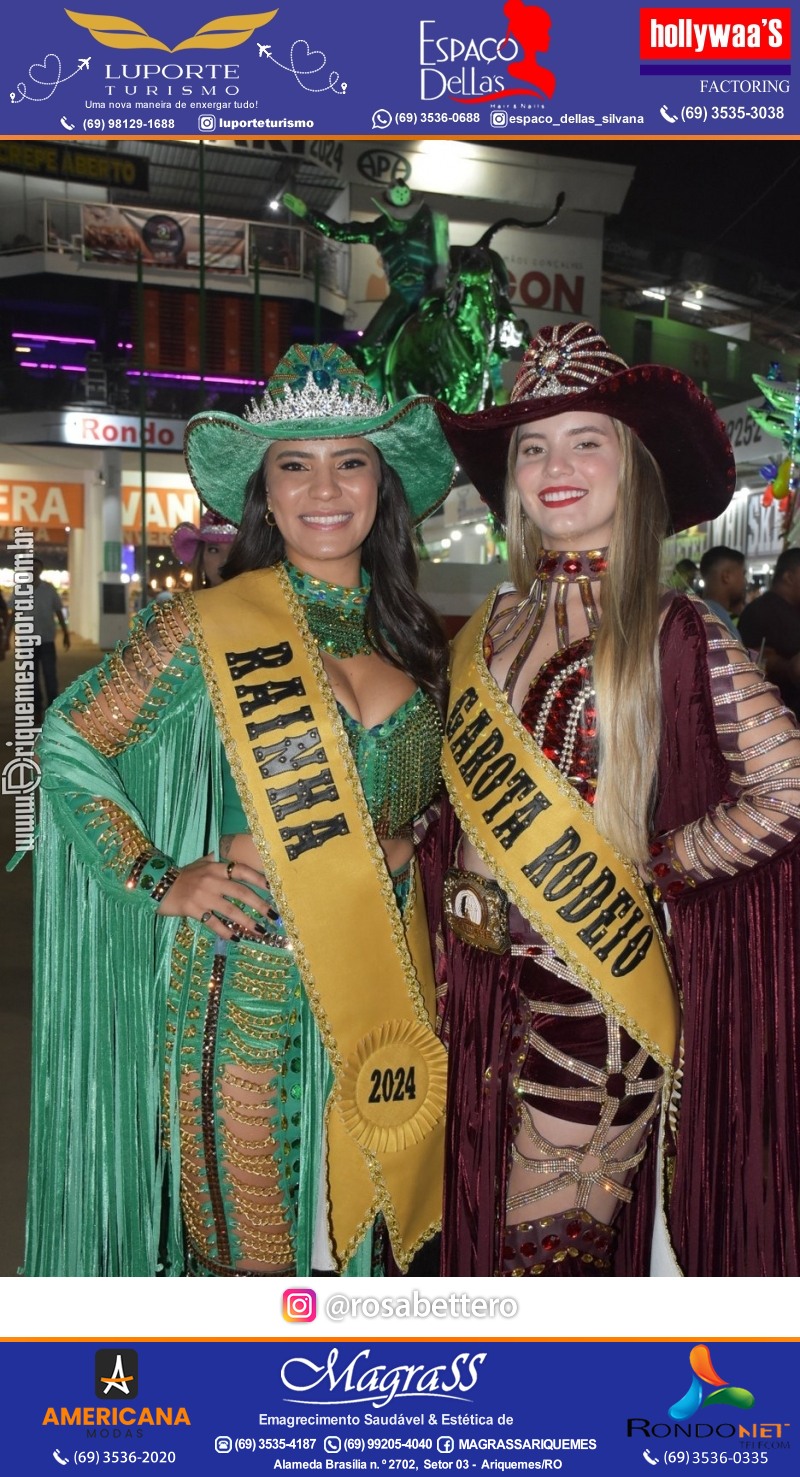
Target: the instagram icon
pixel 299 1305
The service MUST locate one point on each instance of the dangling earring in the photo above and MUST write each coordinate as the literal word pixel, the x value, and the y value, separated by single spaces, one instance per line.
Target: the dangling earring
pixel 269 517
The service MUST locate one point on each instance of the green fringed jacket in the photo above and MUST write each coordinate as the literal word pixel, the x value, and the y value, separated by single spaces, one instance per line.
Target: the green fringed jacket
pixel 131 762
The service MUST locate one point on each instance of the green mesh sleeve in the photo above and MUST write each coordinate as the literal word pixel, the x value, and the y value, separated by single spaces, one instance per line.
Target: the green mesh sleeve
pixel 88 733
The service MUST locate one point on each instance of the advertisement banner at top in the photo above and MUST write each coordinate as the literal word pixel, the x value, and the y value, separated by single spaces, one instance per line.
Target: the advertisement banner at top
pixel 431 68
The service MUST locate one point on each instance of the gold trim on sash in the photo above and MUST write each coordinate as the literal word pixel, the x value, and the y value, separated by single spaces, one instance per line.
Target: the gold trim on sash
pixel 539 839
pixel 366 970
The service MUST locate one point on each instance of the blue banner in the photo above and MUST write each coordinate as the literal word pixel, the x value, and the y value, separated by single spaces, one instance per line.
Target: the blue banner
pixel 391 1407
pixel 492 68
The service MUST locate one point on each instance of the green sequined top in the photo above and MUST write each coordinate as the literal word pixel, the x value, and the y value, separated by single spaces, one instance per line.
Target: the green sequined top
pixel 398 761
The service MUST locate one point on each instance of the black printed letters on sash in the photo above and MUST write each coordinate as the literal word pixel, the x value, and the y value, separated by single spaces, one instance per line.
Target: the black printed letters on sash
pixel 298 751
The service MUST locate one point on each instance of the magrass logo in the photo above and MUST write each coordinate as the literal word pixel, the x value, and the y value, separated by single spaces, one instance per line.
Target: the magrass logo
pixel 704 1375
pixel 116 1374
pixel 217 35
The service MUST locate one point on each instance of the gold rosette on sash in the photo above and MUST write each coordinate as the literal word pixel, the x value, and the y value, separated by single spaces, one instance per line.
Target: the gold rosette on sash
pixel 393 1086
pixel 367 971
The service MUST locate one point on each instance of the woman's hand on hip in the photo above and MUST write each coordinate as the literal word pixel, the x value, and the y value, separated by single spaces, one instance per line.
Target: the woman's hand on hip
pixel 210 891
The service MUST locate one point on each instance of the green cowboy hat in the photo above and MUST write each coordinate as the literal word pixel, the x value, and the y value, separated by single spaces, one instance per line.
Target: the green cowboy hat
pixel 318 392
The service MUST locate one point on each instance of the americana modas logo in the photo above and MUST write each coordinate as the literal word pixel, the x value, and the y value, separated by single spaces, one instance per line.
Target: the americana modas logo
pixel 116 1374
pixel 707 1388
pixel 217 35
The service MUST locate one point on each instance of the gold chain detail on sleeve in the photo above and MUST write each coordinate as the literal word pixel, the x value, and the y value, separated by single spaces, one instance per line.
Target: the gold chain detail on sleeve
pixel 765 815
pixel 120 702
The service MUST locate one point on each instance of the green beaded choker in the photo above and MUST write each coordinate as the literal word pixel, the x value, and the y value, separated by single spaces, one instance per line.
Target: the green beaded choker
pixel 336 616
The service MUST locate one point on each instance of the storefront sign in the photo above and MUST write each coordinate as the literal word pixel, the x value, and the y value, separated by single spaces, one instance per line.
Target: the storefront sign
pixel 88 428
pixel 27 503
pixel 166 507
pixel 65 162
pixel 749 442
pixel 747 525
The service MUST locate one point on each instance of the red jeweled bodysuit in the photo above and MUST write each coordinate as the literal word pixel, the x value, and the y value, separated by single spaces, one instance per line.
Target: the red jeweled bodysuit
pixel 573 1062
pixel 551 1104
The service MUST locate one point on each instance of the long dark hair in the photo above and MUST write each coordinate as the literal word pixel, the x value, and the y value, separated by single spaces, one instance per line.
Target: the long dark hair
pixel 403 628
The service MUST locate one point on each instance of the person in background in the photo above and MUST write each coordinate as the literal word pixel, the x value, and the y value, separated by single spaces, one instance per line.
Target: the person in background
pixel 683 576
pixel 724 583
pixel 204 550
pixel 771 624
pixel 47 609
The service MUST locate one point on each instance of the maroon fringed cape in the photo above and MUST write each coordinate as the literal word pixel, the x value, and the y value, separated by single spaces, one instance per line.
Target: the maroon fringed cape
pixel 733 1209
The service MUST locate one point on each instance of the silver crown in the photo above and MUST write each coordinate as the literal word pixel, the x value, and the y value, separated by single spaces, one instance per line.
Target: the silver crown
pixel 314 403
pixel 215 530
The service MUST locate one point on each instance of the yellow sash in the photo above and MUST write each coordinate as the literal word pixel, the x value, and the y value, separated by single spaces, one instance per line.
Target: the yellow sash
pixel 540 841
pixel 367 971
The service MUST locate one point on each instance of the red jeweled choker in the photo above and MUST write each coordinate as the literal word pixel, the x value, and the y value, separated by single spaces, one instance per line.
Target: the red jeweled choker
pixel 566 564
pixel 556 569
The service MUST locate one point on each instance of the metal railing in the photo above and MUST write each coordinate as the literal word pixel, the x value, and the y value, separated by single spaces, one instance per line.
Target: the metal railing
pixel 58 228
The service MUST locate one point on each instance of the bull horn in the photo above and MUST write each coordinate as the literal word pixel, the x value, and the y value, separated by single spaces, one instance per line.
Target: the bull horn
pixel 486 238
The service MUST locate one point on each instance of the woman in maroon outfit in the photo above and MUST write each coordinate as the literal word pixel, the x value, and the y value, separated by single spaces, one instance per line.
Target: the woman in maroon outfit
pixel 619 935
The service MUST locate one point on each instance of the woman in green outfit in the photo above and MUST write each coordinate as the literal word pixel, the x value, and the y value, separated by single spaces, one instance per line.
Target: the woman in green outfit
pixel 235 1069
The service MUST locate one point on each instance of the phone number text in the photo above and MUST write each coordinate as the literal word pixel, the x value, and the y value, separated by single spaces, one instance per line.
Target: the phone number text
pixel 108 125
pixel 101 1458
pixel 702 1458
pixel 437 117
pixel 699 113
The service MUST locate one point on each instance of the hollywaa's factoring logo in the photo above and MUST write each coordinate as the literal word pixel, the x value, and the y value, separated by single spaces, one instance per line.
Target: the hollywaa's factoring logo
pixel 714 34
pixel 526 35
pixel 217 35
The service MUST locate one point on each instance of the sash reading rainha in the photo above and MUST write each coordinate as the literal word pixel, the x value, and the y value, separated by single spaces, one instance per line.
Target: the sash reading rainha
pixel 366 970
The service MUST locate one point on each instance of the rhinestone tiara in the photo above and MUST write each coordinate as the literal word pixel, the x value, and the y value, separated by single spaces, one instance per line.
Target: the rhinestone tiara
pixel 313 402
pixel 565 359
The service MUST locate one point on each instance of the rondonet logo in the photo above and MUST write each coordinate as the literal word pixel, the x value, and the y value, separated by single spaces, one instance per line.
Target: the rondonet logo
pixel 707 1388
pixel 720 33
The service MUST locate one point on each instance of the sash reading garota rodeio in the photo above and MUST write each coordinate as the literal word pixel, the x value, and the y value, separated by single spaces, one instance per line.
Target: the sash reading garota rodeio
pixel 540 841
pixel 366 970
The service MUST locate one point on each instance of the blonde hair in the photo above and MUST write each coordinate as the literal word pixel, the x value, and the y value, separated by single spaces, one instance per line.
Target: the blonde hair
pixel 626 669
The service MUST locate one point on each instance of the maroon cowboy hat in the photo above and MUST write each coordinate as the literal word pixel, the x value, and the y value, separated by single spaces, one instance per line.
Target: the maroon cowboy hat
pixel 569 366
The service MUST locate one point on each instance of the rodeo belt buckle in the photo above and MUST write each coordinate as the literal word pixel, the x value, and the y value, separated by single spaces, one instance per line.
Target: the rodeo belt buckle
pixel 476 909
